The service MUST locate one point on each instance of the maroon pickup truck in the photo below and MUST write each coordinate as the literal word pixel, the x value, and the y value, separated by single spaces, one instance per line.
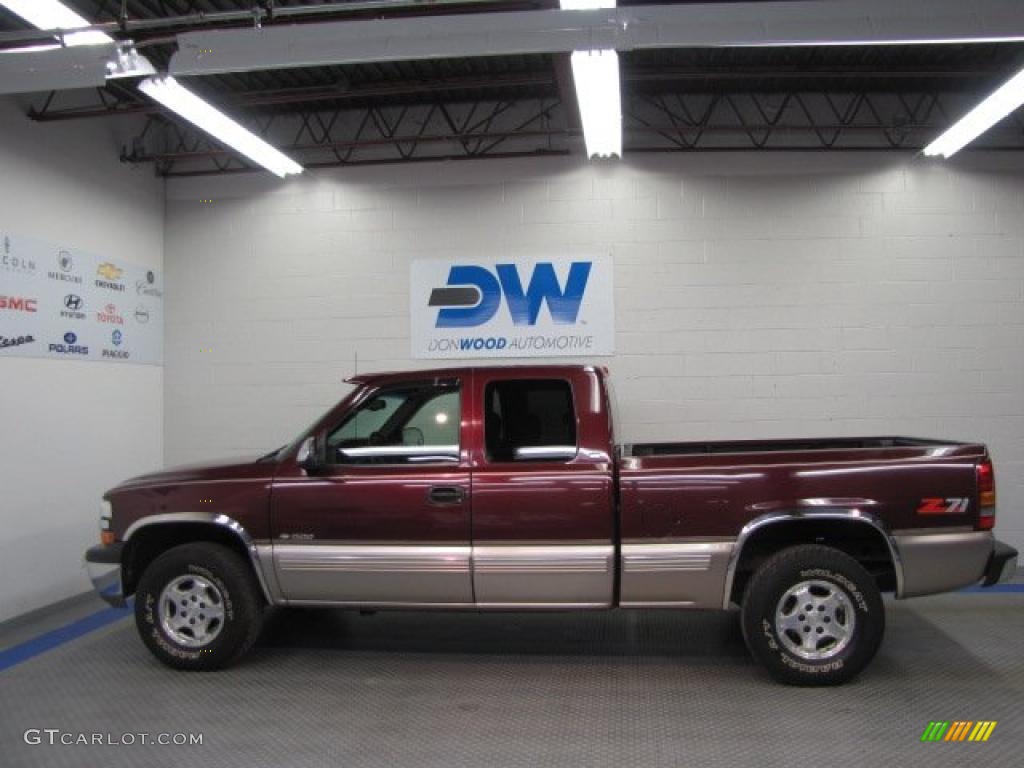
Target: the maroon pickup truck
pixel 504 489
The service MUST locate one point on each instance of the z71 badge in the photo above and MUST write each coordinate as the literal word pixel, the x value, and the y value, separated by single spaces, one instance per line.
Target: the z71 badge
pixel 954 506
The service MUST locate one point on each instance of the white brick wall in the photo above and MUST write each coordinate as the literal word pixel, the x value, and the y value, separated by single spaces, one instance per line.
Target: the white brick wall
pixel 70 429
pixel 756 296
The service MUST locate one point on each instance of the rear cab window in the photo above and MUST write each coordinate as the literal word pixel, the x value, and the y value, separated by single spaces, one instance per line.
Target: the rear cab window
pixel 529 420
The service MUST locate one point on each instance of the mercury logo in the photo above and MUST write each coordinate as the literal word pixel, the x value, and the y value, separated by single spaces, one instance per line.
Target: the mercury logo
pixel 473 294
pixel 65 264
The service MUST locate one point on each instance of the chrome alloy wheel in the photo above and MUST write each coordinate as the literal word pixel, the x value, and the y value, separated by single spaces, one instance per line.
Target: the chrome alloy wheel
pixel 815 620
pixel 191 611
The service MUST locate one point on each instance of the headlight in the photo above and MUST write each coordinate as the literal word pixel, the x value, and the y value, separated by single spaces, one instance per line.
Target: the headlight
pixel 106 535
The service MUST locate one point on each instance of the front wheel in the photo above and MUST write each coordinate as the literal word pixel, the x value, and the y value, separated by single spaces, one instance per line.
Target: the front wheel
pixel 812 616
pixel 198 606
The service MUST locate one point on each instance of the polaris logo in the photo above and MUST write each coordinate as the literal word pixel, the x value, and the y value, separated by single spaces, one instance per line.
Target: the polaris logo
pixel 473 294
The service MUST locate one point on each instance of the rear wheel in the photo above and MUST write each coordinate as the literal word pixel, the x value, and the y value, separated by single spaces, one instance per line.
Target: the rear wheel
pixel 812 616
pixel 198 606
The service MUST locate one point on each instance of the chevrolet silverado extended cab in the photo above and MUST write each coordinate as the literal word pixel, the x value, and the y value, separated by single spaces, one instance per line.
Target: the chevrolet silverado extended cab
pixel 504 489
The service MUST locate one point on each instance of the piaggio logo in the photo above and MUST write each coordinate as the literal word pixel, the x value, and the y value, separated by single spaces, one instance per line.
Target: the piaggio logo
pixel 18 303
pixel 958 730
pixel 953 506
pixel 473 294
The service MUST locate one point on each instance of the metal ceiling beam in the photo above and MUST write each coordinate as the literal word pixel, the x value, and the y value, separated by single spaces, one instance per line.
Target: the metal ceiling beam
pixel 702 25
pixel 311 95
pixel 83 66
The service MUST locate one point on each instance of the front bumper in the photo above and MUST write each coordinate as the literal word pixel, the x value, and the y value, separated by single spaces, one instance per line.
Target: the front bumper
pixel 1002 565
pixel 104 565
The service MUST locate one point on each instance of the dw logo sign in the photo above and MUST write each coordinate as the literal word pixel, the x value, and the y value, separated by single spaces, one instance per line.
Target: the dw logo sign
pixel 475 294
pixel 529 308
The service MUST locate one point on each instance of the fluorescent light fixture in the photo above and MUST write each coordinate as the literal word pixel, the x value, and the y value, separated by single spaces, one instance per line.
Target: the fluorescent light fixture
pixel 1005 100
pixel 208 118
pixel 52 14
pixel 585 5
pixel 596 75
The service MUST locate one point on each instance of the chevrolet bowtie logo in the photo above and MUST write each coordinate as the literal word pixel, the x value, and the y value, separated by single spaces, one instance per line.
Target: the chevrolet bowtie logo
pixel 109 271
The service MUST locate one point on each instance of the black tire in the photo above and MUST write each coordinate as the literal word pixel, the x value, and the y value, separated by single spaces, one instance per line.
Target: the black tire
pixel 846 624
pixel 229 584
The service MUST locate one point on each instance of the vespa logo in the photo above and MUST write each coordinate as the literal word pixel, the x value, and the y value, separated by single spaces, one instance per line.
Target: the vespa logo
pixel 473 294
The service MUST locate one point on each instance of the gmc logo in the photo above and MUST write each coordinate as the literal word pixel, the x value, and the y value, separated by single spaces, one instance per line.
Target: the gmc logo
pixel 473 294
pixel 18 303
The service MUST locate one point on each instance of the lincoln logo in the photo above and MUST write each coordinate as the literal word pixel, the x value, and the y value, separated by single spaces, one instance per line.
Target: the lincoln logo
pixel 473 294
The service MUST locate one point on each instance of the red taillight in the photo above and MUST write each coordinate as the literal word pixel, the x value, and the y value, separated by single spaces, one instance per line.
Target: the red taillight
pixel 986 496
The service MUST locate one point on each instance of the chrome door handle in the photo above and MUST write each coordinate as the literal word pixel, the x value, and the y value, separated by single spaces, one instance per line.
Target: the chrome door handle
pixel 446 494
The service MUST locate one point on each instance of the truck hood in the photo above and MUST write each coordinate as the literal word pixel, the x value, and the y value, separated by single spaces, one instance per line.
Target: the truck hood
pixel 218 470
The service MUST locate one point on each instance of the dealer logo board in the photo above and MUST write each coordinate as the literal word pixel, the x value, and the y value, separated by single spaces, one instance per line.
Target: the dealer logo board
pixel 59 302
pixel 512 308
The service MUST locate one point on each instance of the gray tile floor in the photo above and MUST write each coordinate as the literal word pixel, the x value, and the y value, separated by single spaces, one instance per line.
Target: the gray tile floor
pixel 643 688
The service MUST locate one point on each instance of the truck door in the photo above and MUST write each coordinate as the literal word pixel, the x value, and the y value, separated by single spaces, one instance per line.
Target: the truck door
pixel 542 485
pixel 386 521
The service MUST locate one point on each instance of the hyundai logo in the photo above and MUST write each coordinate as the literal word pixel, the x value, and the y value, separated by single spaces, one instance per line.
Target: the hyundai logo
pixel 73 302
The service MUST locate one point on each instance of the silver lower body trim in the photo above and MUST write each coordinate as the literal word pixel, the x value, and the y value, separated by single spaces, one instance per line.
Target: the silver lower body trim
pixel 941 562
pixel 543 576
pixel 373 574
pixel 674 574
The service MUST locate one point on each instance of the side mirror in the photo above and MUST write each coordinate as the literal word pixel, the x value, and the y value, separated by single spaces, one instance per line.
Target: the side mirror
pixel 308 457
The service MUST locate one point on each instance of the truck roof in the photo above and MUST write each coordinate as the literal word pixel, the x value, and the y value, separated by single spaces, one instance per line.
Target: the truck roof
pixel 440 373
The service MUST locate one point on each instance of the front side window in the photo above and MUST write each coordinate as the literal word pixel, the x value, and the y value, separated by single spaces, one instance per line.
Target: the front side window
pixel 529 420
pixel 410 424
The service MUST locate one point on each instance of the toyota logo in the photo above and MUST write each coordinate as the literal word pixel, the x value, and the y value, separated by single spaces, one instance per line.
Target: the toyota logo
pixel 72 302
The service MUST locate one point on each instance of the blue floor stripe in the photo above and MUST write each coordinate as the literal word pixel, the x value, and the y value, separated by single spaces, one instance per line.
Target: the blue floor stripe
pixel 994 588
pixel 57 637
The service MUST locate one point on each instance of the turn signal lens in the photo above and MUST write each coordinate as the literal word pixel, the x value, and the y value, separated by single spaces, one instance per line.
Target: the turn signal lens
pixel 106 538
pixel 986 496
